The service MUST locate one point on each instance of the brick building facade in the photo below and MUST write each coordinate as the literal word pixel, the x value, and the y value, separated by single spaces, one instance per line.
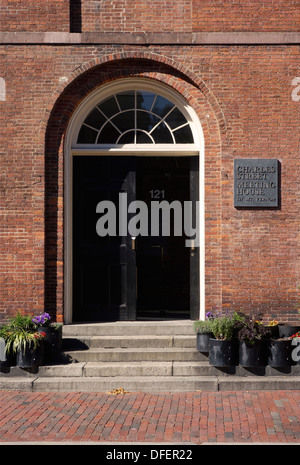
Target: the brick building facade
pixel 233 67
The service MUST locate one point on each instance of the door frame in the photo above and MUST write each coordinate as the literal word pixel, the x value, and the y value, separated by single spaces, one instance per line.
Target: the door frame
pixel 71 149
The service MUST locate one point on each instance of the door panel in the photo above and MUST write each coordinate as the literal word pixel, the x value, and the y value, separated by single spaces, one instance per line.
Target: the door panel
pixel 163 261
pixel 103 288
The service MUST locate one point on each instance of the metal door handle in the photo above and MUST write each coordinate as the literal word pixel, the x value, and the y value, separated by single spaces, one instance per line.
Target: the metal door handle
pixel 133 243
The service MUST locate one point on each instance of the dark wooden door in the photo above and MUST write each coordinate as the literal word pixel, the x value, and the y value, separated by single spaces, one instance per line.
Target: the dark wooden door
pixel 104 275
pixel 167 270
pixel 112 279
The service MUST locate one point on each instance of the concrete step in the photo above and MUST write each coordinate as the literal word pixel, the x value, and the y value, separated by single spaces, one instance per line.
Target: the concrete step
pixel 130 328
pixel 129 384
pixel 109 342
pixel 158 356
pixel 150 384
pixel 136 354
pixel 143 368
pixel 176 369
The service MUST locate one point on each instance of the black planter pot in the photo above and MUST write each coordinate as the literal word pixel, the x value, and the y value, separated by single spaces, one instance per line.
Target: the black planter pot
pixel 255 355
pixel 2 350
pixel 280 353
pixel 223 353
pixel 274 331
pixel 30 358
pixel 7 359
pixel 52 343
pixel 286 330
pixel 203 341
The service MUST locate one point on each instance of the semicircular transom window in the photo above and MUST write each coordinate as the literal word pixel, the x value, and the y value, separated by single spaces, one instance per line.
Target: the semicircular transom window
pixel 135 117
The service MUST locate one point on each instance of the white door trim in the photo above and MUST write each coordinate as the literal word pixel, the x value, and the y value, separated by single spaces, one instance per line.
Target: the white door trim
pixel 71 149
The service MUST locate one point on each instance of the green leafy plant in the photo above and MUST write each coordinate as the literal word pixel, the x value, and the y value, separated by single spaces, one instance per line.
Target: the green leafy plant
pixel 20 333
pixel 56 326
pixel 4 331
pixel 252 330
pixel 20 321
pixel 225 326
pixel 204 326
pixel 20 339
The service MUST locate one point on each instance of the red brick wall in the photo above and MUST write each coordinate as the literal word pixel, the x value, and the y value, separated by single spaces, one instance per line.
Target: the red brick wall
pixel 31 16
pixel 156 16
pixel 242 96
pixel 135 16
pixel 250 15
pixel 190 15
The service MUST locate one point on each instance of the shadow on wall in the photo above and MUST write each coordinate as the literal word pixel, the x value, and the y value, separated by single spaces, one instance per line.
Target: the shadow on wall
pixel 75 16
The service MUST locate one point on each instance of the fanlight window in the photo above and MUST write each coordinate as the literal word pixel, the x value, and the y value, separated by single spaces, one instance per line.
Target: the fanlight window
pixel 135 117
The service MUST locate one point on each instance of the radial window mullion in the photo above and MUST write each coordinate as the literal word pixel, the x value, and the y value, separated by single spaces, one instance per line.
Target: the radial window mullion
pixel 156 125
pixel 170 111
pixel 113 124
pixel 89 126
pixel 180 127
pixel 102 113
pixel 153 103
pixel 117 102
pixel 159 127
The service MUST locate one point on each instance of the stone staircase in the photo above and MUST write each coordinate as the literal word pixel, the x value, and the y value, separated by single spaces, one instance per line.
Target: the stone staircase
pixel 148 356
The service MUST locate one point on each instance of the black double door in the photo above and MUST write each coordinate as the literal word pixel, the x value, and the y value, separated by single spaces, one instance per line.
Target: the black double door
pixel 120 273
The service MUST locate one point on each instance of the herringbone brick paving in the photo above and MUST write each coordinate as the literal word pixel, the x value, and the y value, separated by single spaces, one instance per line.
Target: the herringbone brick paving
pixel 196 417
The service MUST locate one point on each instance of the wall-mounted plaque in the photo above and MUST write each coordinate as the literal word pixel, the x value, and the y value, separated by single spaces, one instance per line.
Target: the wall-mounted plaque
pixel 256 182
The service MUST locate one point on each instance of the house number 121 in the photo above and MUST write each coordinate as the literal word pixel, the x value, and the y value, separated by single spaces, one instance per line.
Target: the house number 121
pixel 157 194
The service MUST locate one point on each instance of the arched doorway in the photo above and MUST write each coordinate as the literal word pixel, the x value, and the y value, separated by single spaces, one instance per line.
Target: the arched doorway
pixel 133 145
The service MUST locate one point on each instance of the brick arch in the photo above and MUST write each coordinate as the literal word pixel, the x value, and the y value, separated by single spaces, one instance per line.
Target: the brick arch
pixel 68 96
pixel 138 56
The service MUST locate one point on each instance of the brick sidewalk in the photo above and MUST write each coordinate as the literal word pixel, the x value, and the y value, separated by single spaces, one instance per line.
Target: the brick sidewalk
pixel 197 417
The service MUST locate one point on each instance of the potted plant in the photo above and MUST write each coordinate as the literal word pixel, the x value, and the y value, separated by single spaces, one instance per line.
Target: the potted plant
pixel 27 346
pixel 280 352
pixel 252 337
pixel 53 336
pixel 17 323
pixel 223 344
pixel 273 327
pixel 23 344
pixel 279 348
pixel 203 332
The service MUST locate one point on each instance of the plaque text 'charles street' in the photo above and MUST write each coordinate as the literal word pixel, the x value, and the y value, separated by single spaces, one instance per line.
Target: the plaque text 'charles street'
pixel 256 182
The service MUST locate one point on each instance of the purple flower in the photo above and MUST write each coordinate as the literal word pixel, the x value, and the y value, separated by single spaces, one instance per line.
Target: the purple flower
pixel 209 315
pixel 42 319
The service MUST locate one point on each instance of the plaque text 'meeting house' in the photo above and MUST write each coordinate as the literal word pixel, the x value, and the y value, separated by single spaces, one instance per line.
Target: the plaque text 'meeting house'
pixel 256 183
